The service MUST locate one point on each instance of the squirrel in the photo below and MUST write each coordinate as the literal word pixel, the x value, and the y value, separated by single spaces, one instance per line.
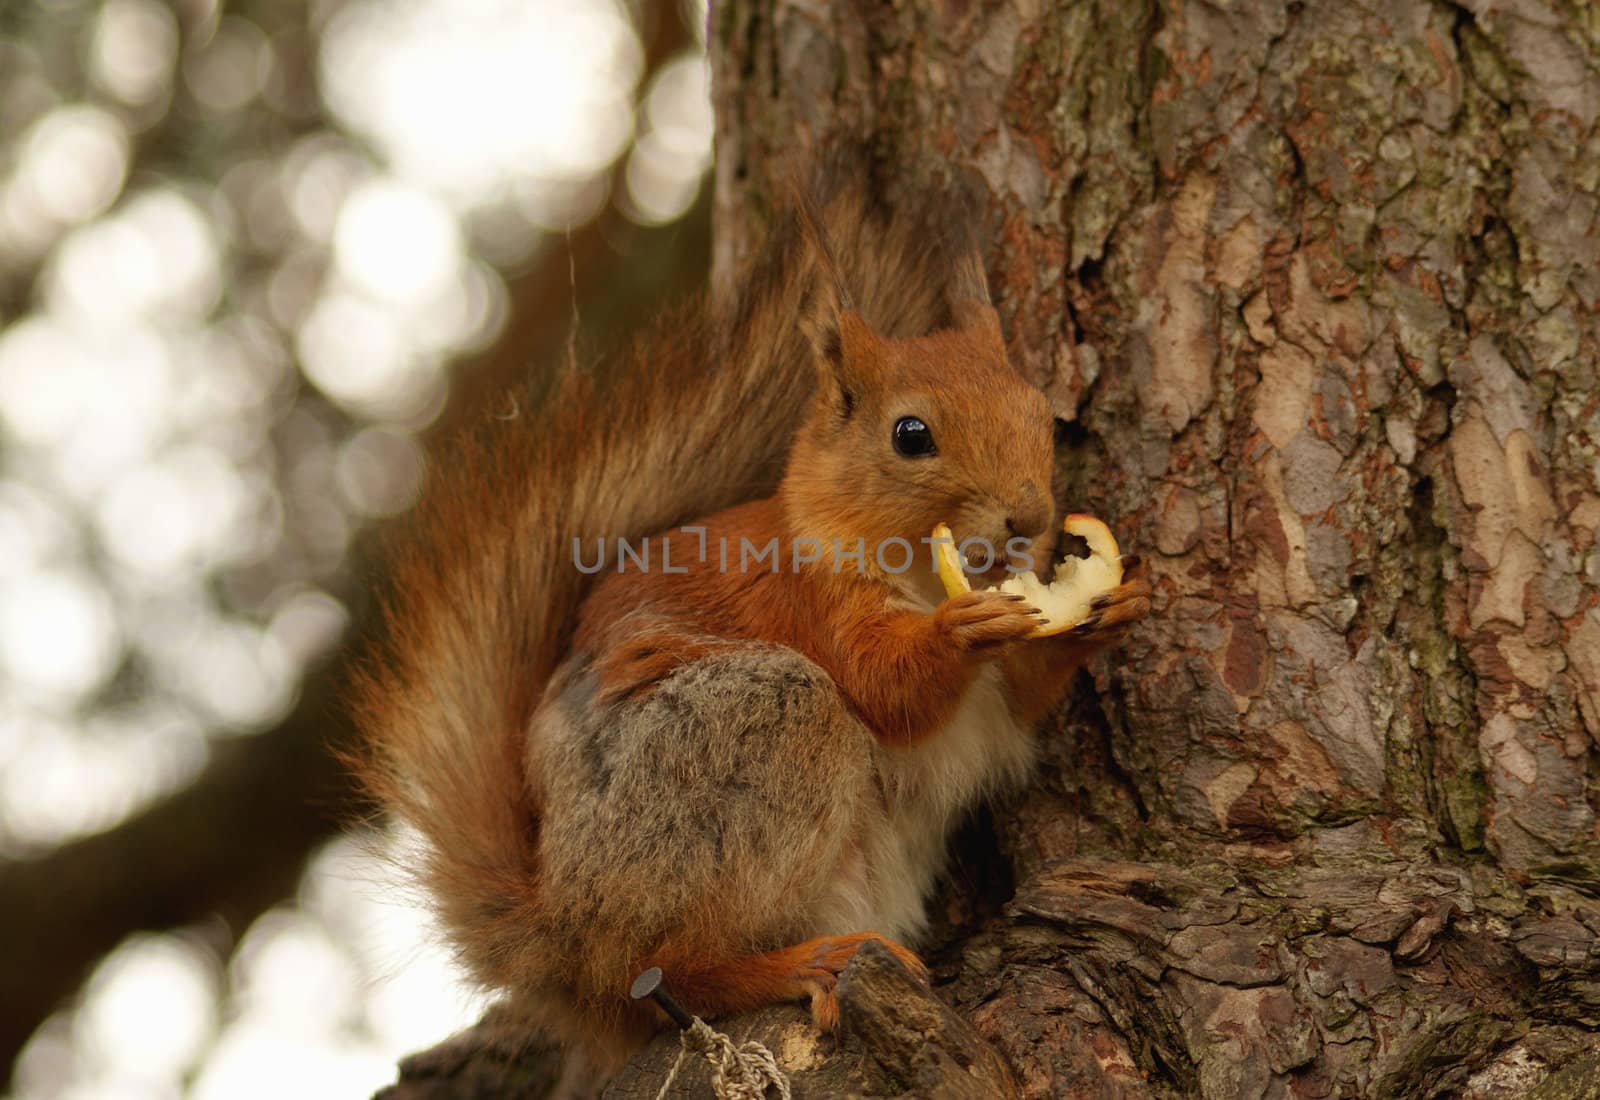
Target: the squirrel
pixel 739 771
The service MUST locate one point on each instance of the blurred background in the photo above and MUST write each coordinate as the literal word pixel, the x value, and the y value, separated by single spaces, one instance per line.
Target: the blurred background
pixel 251 254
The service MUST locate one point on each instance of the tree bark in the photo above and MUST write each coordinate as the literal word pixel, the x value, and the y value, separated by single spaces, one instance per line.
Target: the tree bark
pixel 1318 285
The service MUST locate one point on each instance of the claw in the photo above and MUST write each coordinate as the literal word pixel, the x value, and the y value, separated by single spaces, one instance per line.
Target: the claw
pixel 1088 625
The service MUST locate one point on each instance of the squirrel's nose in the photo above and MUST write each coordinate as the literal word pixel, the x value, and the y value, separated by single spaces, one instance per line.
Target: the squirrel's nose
pixel 1029 514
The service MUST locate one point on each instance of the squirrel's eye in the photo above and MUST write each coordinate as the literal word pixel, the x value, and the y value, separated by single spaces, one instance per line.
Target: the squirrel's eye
pixel 912 437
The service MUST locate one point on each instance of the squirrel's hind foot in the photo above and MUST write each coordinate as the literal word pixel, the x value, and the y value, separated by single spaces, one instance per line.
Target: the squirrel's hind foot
pixel 830 955
pixel 806 971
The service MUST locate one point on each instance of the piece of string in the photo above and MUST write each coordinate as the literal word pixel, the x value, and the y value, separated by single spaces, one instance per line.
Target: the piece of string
pixel 743 1072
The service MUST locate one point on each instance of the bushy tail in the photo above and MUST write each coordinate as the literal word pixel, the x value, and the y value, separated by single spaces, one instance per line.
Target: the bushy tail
pixel 485 592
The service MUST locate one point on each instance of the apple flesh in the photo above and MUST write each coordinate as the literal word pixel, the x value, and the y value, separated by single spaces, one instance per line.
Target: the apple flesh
pixel 1065 601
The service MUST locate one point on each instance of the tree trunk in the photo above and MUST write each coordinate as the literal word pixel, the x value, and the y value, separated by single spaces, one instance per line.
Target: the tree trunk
pixel 1318 286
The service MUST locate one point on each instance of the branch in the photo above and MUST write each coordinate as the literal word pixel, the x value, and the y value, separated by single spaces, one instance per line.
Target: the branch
pixel 897 1039
pixel 231 844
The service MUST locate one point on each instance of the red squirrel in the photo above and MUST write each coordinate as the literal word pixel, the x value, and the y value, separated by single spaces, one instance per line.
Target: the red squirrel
pixel 738 771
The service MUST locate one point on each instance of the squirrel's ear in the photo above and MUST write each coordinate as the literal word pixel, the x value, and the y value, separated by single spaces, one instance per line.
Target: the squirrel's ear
pixel 846 349
pixel 845 344
pixel 967 291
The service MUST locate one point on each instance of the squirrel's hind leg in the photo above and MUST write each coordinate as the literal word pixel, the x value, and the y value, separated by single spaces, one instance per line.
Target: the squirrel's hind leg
pixel 714 824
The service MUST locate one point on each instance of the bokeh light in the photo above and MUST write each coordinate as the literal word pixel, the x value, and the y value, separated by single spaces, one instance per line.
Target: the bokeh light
pixel 57 632
pixel 241 248
pixel 471 98
pixel 150 1008
pixel 134 49
pixel 72 164
pixel 674 151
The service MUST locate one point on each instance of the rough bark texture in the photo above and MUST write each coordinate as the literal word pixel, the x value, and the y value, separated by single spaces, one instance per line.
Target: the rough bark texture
pixel 1318 284
pixel 897 1039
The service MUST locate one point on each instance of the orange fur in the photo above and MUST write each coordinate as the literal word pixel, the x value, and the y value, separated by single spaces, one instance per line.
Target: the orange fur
pixel 804 971
pixel 898 668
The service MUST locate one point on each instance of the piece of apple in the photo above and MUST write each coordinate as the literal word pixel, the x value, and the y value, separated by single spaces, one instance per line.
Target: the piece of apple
pixel 1065 600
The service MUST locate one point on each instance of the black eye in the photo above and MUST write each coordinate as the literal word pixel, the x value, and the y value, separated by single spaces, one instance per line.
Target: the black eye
pixel 1062 429
pixel 912 437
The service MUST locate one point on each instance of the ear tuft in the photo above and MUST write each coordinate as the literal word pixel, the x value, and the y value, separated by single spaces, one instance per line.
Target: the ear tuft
pixel 827 299
pixel 967 282
pixel 976 316
pixel 845 344
pixel 828 272
pixel 967 290
pixel 819 320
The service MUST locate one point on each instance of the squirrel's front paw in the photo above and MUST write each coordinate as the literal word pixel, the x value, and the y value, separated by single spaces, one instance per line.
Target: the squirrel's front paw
pixel 978 620
pixel 1111 614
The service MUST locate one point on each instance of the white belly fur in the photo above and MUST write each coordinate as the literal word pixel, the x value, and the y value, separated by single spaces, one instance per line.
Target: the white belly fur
pixel 931 787
pixel 928 790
